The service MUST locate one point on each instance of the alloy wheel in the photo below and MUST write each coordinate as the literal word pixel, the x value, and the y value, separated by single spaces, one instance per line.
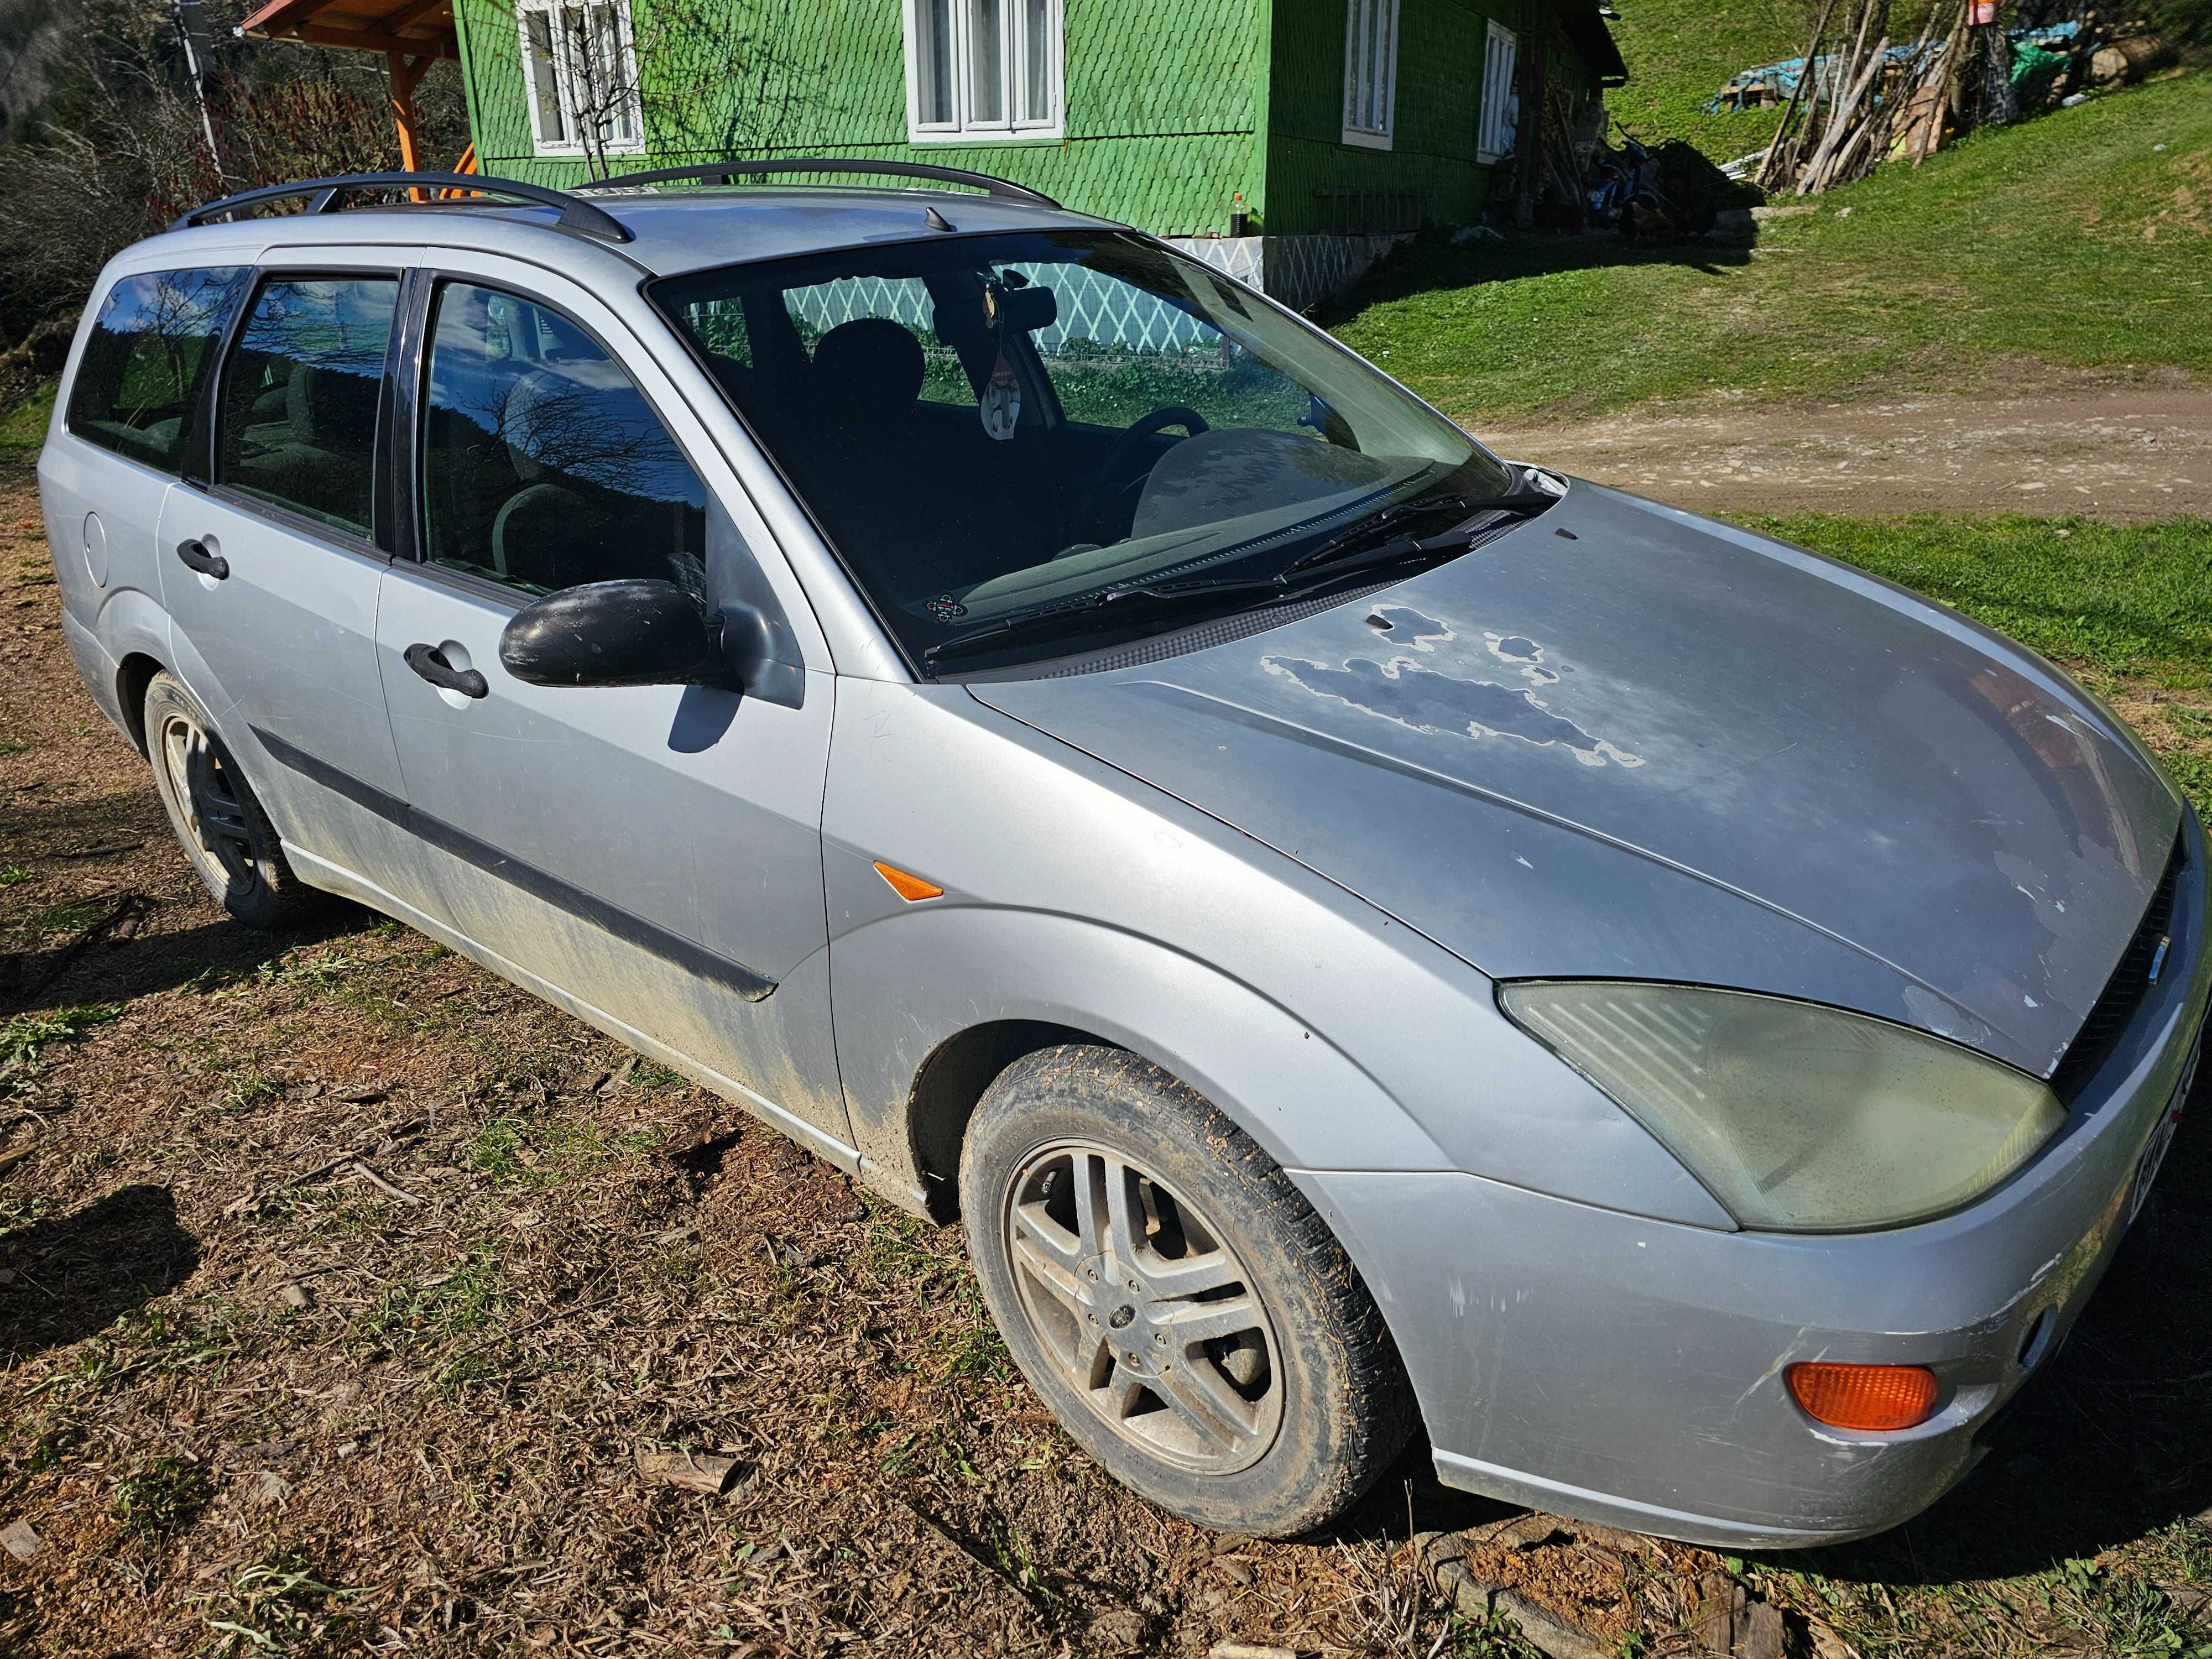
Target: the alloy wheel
pixel 1145 1312
pixel 200 781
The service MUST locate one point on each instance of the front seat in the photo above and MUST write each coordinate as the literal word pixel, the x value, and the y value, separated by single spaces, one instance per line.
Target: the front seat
pixel 544 530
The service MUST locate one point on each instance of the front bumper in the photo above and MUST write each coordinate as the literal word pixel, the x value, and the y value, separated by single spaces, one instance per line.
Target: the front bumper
pixel 1620 1369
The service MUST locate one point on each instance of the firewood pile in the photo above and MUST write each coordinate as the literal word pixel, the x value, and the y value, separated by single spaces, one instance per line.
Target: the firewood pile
pixel 1863 98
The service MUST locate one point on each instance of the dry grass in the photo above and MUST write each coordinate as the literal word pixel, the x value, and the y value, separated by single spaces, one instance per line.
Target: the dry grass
pixel 344 1286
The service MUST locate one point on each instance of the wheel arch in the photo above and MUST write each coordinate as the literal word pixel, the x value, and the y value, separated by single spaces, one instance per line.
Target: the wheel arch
pixel 133 676
pixel 934 1006
pixel 952 1080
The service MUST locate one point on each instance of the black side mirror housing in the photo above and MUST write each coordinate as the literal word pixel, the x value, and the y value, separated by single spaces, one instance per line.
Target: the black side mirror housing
pixel 619 632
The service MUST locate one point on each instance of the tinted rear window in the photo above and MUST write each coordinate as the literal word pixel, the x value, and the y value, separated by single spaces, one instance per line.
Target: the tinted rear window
pixel 140 378
pixel 298 424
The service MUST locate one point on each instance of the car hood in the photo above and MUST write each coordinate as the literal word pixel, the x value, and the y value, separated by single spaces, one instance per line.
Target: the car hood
pixel 1626 741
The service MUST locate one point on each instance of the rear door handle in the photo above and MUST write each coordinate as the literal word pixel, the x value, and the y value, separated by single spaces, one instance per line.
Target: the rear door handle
pixel 430 663
pixel 193 552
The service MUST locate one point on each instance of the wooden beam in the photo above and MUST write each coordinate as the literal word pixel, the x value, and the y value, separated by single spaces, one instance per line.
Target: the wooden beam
pixel 403 74
pixel 410 12
pixel 318 34
pixel 294 14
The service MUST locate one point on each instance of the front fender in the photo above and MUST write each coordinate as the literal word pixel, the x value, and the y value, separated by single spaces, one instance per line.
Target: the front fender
pixel 927 976
pixel 1078 896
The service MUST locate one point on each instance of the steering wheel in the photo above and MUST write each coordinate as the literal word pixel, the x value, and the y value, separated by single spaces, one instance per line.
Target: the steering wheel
pixel 1144 426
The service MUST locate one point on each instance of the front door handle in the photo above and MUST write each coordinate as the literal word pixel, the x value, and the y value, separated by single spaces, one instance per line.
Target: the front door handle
pixel 193 552
pixel 430 663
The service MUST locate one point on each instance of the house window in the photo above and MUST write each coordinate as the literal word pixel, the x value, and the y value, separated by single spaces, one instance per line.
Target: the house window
pixel 1370 72
pixel 983 69
pixel 580 70
pixel 1501 104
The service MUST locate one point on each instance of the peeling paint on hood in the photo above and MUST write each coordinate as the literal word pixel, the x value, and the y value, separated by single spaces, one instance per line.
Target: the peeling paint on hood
pixel 1669 748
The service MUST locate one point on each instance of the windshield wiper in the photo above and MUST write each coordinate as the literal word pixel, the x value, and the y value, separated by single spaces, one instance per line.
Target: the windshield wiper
pixel 1056 617
pixel 1341 555
pixel 1358 546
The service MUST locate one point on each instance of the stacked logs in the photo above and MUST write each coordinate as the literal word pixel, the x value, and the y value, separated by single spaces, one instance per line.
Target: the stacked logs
pixel 1859 102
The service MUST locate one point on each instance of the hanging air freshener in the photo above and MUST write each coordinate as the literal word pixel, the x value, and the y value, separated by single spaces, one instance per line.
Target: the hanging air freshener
pixel 1002 405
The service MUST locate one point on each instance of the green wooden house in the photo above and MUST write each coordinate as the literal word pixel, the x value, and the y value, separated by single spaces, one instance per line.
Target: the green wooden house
pixel 1291 136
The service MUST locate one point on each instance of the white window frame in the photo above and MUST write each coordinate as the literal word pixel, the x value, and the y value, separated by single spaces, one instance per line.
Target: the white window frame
pixel 1371 72
pixel 964 128
pixel 555 14
pixel 1501 61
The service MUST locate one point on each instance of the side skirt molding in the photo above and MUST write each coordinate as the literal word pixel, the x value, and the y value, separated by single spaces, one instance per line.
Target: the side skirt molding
pixel 648 936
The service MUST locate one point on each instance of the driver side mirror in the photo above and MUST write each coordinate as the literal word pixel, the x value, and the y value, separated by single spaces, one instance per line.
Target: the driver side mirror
pixel 631 633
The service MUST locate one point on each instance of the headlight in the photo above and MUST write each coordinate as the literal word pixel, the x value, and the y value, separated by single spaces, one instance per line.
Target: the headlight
pixel 1798 1118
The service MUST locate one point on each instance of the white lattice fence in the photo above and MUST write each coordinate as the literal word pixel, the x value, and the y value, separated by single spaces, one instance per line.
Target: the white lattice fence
pixel 1093 307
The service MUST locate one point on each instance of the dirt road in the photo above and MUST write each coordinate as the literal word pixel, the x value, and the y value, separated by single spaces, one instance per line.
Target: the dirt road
pixel 2128 451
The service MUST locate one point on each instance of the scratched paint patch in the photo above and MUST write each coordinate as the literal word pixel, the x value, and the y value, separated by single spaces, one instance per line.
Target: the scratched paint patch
pixel 1410 693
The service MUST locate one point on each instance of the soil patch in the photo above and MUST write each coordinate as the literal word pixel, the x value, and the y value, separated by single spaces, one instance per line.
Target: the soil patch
pixel 2130 451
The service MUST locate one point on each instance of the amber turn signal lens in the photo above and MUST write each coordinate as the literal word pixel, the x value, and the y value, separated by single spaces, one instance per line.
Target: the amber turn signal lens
pixel 1865 1396
pixel 909 888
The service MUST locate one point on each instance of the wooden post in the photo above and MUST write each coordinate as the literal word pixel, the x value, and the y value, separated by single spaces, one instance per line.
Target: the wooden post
pixel 1536 84
pixel 406 74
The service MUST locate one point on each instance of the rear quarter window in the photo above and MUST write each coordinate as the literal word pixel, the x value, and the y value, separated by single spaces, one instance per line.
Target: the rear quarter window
pixel 138 382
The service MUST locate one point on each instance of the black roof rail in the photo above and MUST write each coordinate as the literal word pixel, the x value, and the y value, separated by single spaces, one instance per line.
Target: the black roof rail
pixel 328 196
pixel 726 172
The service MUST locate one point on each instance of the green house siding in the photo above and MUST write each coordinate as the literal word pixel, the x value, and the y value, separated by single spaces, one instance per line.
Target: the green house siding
pixel 1173 107
pixel 1440 56
pixel 1163 138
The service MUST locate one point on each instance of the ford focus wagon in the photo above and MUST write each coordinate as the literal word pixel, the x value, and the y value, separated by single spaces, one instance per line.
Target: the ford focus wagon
pixel 1367 937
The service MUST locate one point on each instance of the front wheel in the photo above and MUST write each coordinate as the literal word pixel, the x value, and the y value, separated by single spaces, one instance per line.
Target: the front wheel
pixel 1187 1316
pixel 233 848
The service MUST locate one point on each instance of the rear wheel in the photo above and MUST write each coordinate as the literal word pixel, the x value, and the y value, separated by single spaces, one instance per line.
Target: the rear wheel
pixel 1188 1318
pixel 232 846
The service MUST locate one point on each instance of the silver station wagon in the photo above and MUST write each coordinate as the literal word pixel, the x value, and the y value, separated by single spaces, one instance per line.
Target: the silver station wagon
pixel 1368 938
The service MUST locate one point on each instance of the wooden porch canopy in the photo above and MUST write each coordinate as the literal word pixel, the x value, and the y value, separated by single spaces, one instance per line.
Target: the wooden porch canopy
pixel 412 34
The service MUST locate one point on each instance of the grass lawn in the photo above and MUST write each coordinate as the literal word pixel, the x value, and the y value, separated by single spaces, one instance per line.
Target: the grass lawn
pixel 2082 239
pixel 23 426
pixel 1680 52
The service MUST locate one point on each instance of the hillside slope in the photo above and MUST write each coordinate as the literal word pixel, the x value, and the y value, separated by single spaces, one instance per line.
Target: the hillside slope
pixel 2080 241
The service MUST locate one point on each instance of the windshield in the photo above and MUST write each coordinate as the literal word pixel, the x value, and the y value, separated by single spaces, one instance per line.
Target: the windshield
pixel 986 426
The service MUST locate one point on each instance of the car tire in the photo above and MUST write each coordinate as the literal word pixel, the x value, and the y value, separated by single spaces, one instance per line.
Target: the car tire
pixel 1121 1225
pixel 227 837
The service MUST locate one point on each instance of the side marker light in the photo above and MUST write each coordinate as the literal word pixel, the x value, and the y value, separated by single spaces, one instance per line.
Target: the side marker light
pixel 912 888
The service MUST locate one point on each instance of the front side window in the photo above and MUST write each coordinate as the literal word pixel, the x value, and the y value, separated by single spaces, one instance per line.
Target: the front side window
pixel 989 426
pixel 580 73
pixel 983 68
pixel 542 465
pixel 1370 72
pixel 139 379
pixel 298 418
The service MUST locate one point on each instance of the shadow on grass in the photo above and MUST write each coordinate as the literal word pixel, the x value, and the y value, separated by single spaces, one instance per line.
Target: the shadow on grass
pixel 77 1274
pixel 1431 263
pixel 124 948
pixel 117 970
pixel 2113 1440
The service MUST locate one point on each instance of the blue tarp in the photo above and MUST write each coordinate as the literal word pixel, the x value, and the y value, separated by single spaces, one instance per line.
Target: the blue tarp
pixel 1784 77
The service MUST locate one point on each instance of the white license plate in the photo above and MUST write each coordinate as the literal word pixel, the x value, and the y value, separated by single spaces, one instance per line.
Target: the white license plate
pixel 2161 1137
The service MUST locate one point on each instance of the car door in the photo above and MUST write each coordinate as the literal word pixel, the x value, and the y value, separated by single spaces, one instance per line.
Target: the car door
pixel 131 426
pixel 271 566
pixel 651 855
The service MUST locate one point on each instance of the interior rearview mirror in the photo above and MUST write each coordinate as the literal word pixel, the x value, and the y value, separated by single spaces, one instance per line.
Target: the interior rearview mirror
pixel 1027 308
